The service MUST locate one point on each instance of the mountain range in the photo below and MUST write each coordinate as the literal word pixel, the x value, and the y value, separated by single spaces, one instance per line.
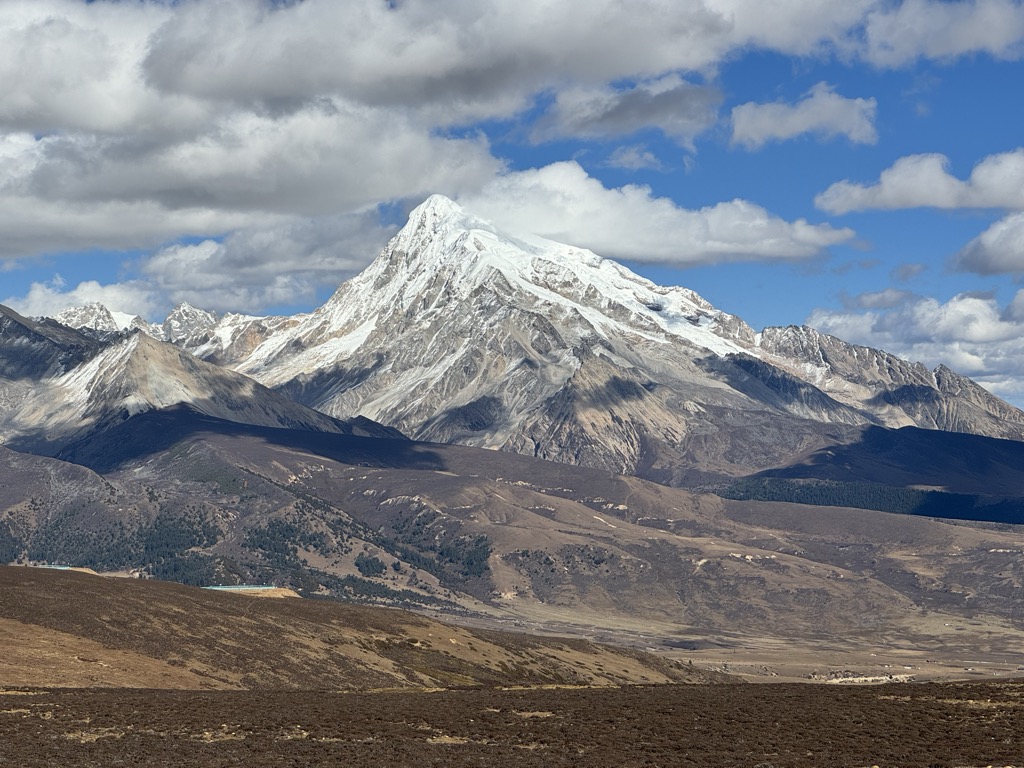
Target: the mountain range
pixel 461 333
pixel 657 469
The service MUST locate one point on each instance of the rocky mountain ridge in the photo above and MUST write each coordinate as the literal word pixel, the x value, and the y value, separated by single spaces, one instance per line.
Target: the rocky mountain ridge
pixel 58 385
pixel 459 332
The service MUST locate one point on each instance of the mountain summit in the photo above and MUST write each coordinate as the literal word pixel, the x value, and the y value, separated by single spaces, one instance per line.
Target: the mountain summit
pixel 460 332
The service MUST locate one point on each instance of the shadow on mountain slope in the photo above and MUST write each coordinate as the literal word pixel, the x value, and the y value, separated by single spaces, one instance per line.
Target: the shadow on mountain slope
pixel 150 433
pixel 909 470
pixel 775 387
pixel 951 461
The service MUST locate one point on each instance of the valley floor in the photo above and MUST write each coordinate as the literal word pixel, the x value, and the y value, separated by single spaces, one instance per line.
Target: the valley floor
pixel 792 725
pixel 930 648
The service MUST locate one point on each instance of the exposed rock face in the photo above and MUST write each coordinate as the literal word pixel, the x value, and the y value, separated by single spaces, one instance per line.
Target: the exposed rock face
pixel 93 316
pixel 59 384
pixel 188 326
pixel 896 392
pixel 31 348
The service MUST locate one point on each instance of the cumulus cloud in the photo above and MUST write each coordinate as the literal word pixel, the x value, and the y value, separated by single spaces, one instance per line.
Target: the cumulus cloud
pixel 822 112
pixel 128 125
pixel 50 298
pixel 681 110
pixel 289 261
pixel 72 66
pixel 35 225
pixel 997 250
pixel 473 59
pixel 634 157
pixel 66 192
pixel 1015 309
pixel 264 266
pixel 896 34
pixel 924 180
pixel 484 57
pixel 322 159
pixel 561 202
pixel 970 333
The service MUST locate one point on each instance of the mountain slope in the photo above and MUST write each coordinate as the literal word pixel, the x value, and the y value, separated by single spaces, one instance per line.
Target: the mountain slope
pixel 461 333
pixel 69 629
pixel 897 392
pixel 61 384
pixel 509 537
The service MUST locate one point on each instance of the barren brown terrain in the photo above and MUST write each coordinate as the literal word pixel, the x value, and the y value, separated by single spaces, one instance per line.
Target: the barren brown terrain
pixel 103 671
pixel 766 590
pixel 782 725
pixel 67 629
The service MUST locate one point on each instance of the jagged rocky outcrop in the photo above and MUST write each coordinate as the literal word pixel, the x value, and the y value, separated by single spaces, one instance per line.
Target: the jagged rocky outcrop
pixel 898 393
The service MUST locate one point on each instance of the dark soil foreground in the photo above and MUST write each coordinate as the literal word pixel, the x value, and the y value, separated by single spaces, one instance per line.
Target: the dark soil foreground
pixel 939 724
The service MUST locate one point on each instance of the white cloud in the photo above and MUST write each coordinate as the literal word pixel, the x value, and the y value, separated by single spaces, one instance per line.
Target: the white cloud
pixel 634 158
pixel 997 250
pixel 34 225
pixel 679 109
pixel 72 66
pixel 472 60
pixel 486 57
pixel 885 299
pixel 279 262
pixel 264 266
pixel 127 125
pixel 925 181
pixel 970 333
pixel 66 192
pixel 897 34
pixel 1015 309
pixel 822 112
pixel 319 160
pixel 563 203
pixel 49 299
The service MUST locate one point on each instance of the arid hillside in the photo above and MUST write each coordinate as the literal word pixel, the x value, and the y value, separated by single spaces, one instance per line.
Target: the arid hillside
pixel 72 630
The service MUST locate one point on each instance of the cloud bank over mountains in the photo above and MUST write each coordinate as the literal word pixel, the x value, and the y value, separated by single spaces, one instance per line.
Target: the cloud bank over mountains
pixel 246 154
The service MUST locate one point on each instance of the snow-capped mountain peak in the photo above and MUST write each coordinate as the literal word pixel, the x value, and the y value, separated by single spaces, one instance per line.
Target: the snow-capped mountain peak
pixel 186 323
pixel 461 332
pixel 446 255
pixel 95 316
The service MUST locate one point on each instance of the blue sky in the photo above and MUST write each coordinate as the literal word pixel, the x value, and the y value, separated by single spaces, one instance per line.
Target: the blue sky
pixel 857 166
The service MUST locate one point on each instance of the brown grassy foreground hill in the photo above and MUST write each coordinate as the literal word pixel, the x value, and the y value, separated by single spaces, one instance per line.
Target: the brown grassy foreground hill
pixel 90 664
pixel 64 629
